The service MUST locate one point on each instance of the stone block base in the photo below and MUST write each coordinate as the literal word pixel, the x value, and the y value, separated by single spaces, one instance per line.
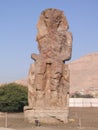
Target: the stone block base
pixel 47 115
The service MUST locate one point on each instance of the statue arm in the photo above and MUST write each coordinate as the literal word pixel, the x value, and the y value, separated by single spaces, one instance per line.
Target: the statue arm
pixel 67 55
pixel 67 48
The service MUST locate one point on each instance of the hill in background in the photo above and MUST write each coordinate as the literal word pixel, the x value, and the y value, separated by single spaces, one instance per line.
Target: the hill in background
pixel 84 74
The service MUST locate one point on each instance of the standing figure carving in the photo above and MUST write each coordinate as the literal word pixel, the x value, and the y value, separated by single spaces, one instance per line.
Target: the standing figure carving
pixel 48 80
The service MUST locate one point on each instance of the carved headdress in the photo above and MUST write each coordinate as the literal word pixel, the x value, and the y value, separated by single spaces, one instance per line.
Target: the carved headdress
pixel 51 19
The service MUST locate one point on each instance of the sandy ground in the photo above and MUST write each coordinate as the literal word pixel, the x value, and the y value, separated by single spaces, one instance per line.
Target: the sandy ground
pixel 2 128
pixel 45 128
pixel 50 128
pixel 80 118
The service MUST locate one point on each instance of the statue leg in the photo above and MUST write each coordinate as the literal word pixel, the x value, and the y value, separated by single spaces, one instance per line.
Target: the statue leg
pixel 40 73
pixel 55 77
pixel 40 82
pixel 64 89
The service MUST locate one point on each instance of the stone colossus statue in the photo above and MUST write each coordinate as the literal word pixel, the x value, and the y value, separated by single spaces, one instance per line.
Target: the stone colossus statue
pixel 49 76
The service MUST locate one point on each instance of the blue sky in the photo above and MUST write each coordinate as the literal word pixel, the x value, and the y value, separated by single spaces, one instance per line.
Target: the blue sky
pixel 18 31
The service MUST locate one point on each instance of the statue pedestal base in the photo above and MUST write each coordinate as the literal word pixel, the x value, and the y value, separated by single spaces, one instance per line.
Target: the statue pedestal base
pixel 46 115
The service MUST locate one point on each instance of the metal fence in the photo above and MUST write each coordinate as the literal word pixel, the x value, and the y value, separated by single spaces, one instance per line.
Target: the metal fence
pixel 14 120
pixel 78 117
pixel 83 117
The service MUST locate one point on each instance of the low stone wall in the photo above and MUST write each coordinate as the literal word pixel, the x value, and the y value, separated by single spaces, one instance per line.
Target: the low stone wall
pixel 83 102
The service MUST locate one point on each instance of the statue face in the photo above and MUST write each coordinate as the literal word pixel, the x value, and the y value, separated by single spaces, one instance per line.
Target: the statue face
pixel 52 18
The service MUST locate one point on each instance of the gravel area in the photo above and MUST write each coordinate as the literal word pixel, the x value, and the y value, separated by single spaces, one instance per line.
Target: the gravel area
pixel 2 128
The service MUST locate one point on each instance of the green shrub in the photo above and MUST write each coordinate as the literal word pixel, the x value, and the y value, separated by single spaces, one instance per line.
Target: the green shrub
pixel 13 97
